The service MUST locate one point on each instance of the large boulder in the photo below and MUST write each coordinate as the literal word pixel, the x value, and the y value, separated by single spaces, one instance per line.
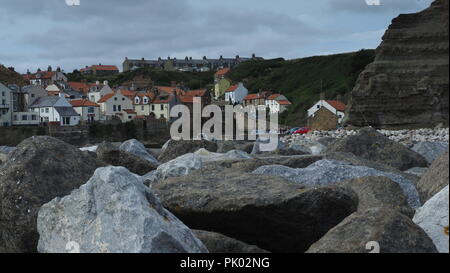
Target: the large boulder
pixel 113 213
pixel 433 219
pixel 138 149
pixel 371 145
pixel 239 204
pixel 379 192
pixel 179 166
pixel 379 230
pixel 307 146
pixel 430 150
pixel 208 156
pixel 114 156
pixel 435 179
pixel 40 169
pixel 218 243
pixel 176 148
pixel 326 172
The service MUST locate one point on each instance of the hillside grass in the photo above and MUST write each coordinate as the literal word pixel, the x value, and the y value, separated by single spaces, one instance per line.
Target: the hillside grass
pixel 302 80
pixel 10 77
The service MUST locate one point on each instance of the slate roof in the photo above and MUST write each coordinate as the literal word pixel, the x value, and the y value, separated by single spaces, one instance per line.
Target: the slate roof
pixel 49 101
pixel 66 111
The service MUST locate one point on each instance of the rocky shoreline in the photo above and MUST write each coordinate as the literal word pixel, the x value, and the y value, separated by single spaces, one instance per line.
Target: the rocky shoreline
pixel 313 194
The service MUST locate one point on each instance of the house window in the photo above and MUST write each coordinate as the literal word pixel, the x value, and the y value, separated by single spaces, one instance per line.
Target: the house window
pixel 142 108
pixel 33 117
pixel 153 107
pixel 318 106
pixel 42 110
pixel 115 98
pixel 162 107
pixel 114 108
pixel 119 107
pixel 66 120
pixel 91 110
pixel 15 117
pixel 47 110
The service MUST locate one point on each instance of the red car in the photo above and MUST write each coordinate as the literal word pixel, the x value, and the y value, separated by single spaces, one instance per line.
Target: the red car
pixel 302 131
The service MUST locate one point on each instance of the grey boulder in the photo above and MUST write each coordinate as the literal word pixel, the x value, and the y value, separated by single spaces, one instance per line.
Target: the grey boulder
pixel 376 230
pixel 270 212
pixel 326 172
pixel 40 169
pixel 112 155
pixel 435 179
pixel 112 213
pixel 372 145
pixel 138 149
pixel 175 148
pixel 430 150
pixel 433 219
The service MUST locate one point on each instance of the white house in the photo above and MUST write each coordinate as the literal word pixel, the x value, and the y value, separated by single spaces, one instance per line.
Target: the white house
pixel 114 104
pixel 55 109
pixel 5 106
pixel 162 104
pixel 236 93
pixel 334 106
pixel 89 111
pixel 96 94
pixel 277 103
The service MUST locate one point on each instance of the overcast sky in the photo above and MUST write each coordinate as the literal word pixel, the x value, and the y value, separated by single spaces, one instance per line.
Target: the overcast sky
pixel 38 33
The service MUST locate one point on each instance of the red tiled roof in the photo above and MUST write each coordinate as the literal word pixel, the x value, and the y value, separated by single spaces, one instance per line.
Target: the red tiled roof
pixel 232 88
pixel 186 99
pixel 284 102
pixel 80 86
pixel 44 75
pixel 196 93
pixel 128 93
pixel 273 97
pixel 83 103
pixel 340 106
pixel 106 97
pixel 222 72
pixel 160 100
pixel 170 90
pixel 252 97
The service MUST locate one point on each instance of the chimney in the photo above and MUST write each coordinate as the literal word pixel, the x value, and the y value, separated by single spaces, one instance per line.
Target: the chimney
pixel 190 58
pixel 187 58
pixel 159 59
pixel 237 57
pixel 221 57
pixel 58 69
pixel 49 69
pixel 204 58
pixel 105 82
pixel 142 59
pixel 253 56
pixel 28 72
pixel 39 70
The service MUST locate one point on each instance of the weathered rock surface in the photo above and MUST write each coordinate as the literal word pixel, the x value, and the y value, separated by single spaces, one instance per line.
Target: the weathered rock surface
pixel 307 146
pixel 266 146
pixel 379 192
pixel 229 145
pixel 326 172
pixel 207 156
pixel 218 243
pixel 239 204
pixel 179 166
pixel 433 219
pixel 113 213
pixel 417 171
pixel 114 156
pixel 173 149
pixel 430 150
pixel 40 169
pixel 408 82
pixel 138 149
pixel 371 145
pixel 435 179
pixel 389 229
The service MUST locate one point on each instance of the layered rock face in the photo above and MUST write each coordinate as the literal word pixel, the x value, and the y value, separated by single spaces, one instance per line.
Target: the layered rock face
pixel 408 83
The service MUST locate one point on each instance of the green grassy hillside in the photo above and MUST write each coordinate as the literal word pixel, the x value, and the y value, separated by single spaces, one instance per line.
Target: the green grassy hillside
pixel 7 76
pixel 303 79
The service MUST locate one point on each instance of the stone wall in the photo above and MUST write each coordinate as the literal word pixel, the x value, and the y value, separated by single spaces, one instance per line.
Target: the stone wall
pixel 324 120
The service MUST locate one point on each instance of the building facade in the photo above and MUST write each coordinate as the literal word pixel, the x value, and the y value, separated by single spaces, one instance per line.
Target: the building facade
pixel 5 106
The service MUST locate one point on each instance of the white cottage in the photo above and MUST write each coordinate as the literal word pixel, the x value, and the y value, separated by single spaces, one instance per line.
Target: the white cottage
pixel 334 106
pixel 55 109
pixel 277 103
pixel 236 93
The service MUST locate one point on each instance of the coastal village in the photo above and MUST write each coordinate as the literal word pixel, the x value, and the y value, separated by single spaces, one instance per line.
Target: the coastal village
pixel 50 98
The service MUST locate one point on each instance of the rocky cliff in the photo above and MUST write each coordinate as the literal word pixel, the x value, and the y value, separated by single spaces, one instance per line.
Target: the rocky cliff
pixel 408 83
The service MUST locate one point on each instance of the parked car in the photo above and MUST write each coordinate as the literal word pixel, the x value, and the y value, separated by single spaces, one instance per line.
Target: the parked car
pixel 302 131
pixel 291 131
